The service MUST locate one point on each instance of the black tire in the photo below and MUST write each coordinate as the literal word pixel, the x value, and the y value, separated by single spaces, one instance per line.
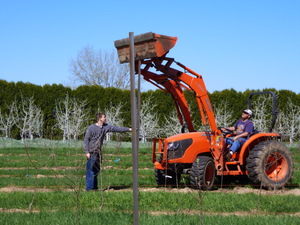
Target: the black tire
pixel 167 177
pixel 270 164
pixel 203 173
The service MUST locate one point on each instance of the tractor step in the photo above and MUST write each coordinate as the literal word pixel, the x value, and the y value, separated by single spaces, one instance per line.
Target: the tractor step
pixel 234 168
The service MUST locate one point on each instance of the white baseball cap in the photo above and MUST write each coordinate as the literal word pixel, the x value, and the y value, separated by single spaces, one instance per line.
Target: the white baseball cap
pixel 248 111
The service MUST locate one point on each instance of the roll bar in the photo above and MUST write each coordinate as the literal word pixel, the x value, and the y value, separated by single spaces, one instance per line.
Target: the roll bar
pixel 275 110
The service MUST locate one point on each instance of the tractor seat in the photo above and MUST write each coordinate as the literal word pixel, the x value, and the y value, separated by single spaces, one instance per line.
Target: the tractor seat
pixel 254 132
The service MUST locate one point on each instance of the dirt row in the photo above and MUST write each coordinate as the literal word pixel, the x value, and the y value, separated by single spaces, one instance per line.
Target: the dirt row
pixel 237 213
pixel 67 168
pixel 53 154
pixel 185 212
pixel 236 190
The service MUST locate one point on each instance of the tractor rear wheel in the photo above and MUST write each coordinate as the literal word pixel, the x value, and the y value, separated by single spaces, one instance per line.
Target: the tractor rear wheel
pixel 270 164
pixel 167 177
pixel 203 172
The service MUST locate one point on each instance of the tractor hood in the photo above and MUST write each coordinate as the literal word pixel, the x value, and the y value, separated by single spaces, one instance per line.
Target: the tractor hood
pixel 186 146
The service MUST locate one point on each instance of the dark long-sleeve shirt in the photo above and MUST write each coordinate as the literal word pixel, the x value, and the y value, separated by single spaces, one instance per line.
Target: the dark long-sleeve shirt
pixel 94 136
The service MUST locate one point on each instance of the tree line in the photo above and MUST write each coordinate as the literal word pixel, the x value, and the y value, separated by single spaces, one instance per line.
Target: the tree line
pixel 59 112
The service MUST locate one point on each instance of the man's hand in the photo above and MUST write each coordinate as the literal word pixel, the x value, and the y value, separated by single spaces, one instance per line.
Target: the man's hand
pixel 88 155
pixel 243 135
pixel 231 129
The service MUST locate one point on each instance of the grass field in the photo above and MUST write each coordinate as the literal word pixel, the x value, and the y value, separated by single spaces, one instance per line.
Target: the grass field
pixel 42 182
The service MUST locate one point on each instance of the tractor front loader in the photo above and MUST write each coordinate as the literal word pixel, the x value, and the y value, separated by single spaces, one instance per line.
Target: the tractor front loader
pixel 263 157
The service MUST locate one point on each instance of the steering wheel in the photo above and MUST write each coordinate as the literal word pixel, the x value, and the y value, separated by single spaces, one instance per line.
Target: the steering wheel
pixel 226 131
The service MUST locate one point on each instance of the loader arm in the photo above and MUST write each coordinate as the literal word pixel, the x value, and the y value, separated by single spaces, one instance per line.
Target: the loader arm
pixel 174 82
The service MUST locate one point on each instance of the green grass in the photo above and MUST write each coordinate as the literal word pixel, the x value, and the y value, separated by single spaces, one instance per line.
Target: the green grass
pixel 59 169
pixel 119 201
pixel 118 205
pixel 55 218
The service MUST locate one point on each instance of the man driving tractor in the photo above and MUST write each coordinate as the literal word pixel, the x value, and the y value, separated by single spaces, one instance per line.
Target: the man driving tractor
pixel 243 128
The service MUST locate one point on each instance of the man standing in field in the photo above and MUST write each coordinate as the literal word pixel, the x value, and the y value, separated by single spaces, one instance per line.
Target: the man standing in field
pixel 93 141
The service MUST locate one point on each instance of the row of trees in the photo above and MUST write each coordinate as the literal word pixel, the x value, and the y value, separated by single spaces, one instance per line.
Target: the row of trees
pixel 25 115
pixel 58 112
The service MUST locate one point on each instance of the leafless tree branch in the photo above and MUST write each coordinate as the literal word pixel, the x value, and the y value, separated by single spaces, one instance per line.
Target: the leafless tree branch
pixel 9 119
pixel 71 117
pixel 30 120
pixel 99 68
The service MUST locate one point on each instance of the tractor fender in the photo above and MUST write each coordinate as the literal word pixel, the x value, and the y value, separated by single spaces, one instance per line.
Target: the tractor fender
pixel 252 141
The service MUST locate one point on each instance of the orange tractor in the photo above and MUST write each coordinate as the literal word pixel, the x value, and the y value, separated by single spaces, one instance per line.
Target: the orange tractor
pixel 263 157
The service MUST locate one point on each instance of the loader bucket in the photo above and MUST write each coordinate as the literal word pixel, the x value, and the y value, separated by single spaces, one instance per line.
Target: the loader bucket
pixel 147 45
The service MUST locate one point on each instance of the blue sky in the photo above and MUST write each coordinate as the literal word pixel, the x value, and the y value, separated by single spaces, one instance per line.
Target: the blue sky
pixel 239 44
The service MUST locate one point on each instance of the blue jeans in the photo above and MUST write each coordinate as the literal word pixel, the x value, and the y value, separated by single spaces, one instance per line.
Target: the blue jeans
pixel 92 171
pixel 235 145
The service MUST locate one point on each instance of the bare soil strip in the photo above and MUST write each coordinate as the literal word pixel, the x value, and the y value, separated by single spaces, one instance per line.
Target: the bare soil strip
pixel 237 213
pixel 38 176
pixel 10 189
pixel 53 154
pixel 42 168
pixel 236 190
pixel 185 212
pixel 66 168
pixel 18 210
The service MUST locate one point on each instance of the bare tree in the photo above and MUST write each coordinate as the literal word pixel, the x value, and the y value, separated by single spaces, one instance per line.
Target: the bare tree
pixel 171 125
pixel 78 118
pixel 280 126
pixel 289 122
pixel 92 67
pixel 223 115
pixel 113 113
pixel 149 120
pixel 63 114
pixel 30 119
pixel 8 120
pixel 261 108
pixel 71 116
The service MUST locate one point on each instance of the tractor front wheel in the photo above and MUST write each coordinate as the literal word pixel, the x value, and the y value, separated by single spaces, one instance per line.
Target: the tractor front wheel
pixel 167 177
pixel 270 164
pixel 203 172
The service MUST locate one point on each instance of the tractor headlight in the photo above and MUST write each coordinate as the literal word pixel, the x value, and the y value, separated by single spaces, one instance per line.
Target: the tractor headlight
pixel 172 146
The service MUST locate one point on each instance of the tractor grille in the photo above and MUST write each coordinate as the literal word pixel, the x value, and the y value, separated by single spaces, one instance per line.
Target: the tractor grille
pixel 177 149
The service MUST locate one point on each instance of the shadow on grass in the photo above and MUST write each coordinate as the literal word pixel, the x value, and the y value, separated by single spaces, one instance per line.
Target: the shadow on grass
pixel 116 187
